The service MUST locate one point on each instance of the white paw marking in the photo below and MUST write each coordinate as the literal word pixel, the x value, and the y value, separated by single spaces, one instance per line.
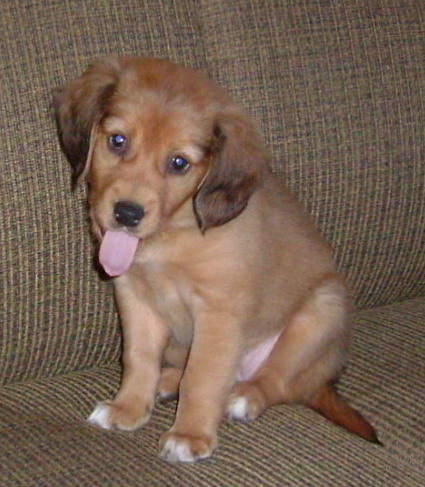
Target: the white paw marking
pixel 101 416
pixel 175 450
pixel 164 395
pixel 238 409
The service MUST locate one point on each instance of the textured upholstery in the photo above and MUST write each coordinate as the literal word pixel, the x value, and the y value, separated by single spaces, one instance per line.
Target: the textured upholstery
pixel 338 90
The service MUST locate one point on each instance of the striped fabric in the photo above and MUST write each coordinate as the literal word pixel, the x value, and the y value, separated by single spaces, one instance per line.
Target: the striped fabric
pixel 338 89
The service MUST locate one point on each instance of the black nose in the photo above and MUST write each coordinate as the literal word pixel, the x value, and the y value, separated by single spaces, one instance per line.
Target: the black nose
pixel 128 214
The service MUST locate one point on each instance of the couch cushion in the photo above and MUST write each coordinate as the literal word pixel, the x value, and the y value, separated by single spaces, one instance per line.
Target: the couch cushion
pixel 44 440
pixel 337 87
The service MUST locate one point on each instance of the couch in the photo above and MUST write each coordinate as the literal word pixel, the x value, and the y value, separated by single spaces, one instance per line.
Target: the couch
pixel 338 90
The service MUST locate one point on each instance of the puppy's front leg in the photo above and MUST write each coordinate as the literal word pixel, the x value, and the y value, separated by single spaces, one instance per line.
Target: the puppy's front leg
pixel 144 335
pixel 204 389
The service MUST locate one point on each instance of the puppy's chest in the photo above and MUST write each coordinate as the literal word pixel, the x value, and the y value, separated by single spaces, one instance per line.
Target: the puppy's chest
pixel 174 294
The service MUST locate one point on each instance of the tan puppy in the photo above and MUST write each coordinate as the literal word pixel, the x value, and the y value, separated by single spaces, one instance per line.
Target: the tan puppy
pixel 219 274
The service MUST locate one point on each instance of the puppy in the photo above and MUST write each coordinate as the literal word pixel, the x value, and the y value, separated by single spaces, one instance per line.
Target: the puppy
pixel 220 277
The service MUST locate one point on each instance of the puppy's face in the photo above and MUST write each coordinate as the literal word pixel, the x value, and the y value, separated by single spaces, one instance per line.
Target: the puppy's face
pixel 160 144
pixel 149 158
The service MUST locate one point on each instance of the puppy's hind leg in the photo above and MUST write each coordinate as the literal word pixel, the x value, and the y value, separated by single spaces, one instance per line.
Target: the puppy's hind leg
pixel 169 383
pixel 175 357
pixel 304 363
pixel 313 340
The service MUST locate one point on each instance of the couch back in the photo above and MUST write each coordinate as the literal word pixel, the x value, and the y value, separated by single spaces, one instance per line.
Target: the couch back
pixel 337 87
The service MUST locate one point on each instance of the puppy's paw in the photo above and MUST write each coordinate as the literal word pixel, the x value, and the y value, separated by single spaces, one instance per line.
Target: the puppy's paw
pixel 169 383
pixel 175 447
pixel 122 416
pixel 246 402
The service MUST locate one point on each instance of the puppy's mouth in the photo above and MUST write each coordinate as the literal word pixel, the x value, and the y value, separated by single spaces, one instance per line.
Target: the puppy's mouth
pixel 117 251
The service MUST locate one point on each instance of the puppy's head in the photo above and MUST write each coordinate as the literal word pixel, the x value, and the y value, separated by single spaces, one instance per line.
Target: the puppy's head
pixel 161 145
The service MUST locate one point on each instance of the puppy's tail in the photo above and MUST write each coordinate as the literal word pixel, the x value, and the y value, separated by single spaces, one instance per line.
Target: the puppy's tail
pixel 330 404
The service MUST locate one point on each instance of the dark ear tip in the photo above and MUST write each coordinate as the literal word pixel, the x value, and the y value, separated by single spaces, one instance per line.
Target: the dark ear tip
pixel 78 171
pixel 74 183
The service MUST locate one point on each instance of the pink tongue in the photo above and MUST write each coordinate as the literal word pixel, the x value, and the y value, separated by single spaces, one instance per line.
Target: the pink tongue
pixel 117 252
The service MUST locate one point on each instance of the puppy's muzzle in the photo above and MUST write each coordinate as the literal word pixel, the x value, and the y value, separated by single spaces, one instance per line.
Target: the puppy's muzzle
pixel 128 214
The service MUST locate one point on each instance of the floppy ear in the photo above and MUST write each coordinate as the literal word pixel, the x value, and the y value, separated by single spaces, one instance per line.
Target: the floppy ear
pixel 79 107
pixel 237 164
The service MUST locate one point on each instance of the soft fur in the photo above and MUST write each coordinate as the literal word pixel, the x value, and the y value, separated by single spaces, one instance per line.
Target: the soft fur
pixel 227 258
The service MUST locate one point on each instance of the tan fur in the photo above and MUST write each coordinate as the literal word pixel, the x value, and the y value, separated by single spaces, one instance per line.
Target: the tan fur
pixel 227 258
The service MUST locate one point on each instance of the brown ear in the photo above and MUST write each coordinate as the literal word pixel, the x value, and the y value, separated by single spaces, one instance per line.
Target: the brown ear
pixel 79 106
pixel 238 162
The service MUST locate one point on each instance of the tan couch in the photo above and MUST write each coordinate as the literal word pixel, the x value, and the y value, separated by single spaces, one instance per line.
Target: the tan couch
pixel 338 88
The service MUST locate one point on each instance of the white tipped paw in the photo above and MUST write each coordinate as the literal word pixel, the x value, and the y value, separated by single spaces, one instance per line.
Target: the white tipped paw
pixel 101 416
pixel 246 402
pixel 237 409
pixel 122 416
pixel 168 387
pixel 182 448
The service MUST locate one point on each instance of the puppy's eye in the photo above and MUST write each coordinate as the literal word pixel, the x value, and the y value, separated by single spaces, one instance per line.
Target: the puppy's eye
pixel 178 165
pixel 118 142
